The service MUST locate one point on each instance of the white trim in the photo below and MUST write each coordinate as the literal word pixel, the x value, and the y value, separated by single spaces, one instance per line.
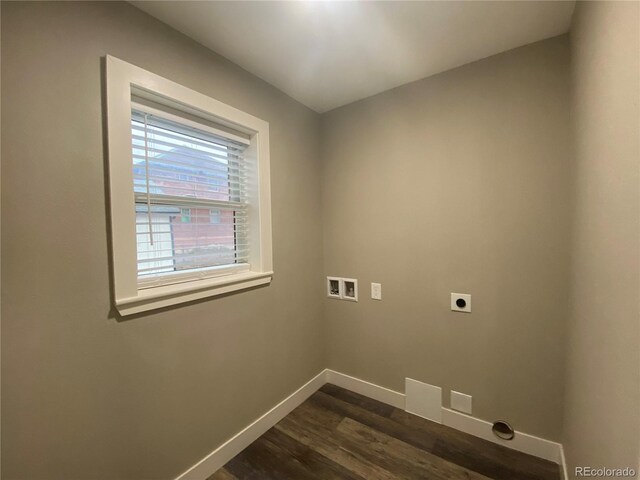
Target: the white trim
pixel 225 452
pixel 523 442
pixel 122 80
pixel 563 464
pixel 167 295
pixel 371 390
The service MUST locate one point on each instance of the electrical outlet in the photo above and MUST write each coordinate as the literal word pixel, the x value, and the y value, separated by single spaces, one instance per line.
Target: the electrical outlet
pixel 461 302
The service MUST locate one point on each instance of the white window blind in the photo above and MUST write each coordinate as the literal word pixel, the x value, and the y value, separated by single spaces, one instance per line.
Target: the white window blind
pixel 190 187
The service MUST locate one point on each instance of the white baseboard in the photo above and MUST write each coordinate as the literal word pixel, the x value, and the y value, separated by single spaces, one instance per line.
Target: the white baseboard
pixel 523 442
pixel 225 452
pixel 371 390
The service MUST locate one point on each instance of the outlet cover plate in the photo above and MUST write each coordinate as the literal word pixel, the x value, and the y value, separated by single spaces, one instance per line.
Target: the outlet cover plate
pixel 461 402
pixel 376 291
pixel 464 297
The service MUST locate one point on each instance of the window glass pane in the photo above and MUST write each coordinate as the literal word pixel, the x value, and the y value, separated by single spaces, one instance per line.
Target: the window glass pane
pixel 194 244
pixel 186 165
pixel 172 162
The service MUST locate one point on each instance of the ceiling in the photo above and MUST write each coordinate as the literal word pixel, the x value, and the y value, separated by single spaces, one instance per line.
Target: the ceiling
pixel 327 53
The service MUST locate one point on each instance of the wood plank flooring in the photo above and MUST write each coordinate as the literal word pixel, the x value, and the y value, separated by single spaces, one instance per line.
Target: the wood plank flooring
pixel 338 434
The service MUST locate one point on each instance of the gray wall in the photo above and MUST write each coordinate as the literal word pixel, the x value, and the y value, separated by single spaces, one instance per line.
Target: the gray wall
pixel 602 415
pixel 456 183
pixel 86 395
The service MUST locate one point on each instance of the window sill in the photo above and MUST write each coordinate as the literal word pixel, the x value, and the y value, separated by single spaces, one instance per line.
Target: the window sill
pixel 168 295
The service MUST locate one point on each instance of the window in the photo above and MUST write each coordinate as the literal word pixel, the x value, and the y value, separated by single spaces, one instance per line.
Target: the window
pixel 189 182
pixel 215 216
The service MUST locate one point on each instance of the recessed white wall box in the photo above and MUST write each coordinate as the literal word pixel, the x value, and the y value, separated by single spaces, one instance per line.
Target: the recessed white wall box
pixel 376 291
pixel 461 302
pixel 423 400
pixel 334 287
pixel 461 402
pixel 350 289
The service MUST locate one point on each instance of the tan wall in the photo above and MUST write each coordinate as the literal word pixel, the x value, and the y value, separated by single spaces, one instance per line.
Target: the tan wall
pixel 86 395
pixel 602 408
pixel 456 183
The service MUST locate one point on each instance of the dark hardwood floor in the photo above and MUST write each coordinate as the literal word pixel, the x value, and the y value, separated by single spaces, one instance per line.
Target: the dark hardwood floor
pixel 338 434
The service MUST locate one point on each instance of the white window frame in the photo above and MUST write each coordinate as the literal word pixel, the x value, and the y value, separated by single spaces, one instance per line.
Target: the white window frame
pixel 123 79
